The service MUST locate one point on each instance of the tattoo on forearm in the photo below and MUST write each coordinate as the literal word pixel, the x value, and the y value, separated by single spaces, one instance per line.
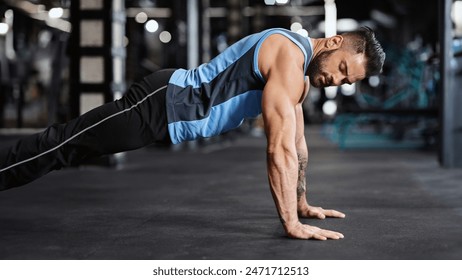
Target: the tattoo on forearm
pixel 301 182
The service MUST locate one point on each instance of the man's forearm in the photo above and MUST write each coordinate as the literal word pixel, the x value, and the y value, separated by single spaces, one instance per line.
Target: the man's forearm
pixel 282 173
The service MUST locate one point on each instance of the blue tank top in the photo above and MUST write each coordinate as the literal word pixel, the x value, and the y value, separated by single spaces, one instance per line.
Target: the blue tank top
pixel 217 96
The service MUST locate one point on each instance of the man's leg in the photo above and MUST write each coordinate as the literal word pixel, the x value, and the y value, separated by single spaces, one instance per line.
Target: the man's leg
pixel 136 120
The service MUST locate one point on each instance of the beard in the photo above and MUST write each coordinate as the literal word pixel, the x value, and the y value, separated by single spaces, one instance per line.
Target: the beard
pixel 316 70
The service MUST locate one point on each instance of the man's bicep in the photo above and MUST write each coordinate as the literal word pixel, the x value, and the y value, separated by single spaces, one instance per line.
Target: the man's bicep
pixel 278 112
pixel 281 94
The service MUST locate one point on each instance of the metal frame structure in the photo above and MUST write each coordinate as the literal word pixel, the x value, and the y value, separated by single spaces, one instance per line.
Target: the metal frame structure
pixel 97 53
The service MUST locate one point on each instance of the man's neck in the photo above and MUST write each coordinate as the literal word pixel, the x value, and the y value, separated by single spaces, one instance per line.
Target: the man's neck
pixel 318 45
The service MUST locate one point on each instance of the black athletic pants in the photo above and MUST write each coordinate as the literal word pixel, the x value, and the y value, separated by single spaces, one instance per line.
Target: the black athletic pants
pixel 138 119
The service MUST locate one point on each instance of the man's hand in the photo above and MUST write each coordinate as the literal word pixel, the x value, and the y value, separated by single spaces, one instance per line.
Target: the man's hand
pixel 308 211
pixel 301 231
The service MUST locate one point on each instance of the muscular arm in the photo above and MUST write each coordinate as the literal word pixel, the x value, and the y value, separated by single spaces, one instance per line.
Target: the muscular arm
pixel 282 93
pixel 282 162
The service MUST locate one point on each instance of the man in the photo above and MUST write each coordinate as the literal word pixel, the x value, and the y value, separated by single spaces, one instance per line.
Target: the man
pixel 269 73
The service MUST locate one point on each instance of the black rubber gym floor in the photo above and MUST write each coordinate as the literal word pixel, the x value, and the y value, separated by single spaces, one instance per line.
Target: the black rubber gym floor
pixel 216 204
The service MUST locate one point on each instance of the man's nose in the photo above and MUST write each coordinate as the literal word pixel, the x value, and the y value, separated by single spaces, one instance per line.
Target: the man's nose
pixel 337 80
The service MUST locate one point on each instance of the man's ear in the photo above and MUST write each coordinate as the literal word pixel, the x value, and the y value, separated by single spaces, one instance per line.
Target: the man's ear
pixel 334 42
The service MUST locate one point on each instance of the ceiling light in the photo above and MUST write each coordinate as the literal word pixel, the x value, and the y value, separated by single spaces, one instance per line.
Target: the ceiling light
pixel 152 26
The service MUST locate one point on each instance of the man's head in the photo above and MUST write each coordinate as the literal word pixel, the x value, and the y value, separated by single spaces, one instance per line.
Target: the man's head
pixel 347 58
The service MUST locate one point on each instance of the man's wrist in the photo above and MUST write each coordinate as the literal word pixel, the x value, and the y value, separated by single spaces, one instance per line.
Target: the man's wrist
pixel 302 203
pixel 291 228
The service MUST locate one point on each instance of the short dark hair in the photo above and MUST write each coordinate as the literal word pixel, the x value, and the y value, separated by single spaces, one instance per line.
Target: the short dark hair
pixel 363 41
